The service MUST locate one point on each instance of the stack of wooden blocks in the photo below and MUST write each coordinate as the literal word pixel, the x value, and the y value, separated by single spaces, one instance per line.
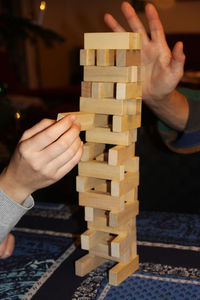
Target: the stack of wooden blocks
pixel 110 113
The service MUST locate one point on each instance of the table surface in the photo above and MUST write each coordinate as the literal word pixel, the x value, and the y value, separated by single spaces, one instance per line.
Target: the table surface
pixel 42 266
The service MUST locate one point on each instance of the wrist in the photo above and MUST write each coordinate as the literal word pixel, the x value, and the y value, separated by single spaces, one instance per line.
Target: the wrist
pixel 12 188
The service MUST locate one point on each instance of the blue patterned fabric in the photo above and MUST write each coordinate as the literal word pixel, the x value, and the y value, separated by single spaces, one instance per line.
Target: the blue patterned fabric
pixel 42 266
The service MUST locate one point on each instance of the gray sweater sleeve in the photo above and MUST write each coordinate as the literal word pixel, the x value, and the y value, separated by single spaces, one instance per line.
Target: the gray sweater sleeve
pixel 11 212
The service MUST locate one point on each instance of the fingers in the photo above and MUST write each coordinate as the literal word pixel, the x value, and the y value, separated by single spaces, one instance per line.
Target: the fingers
pixel 51 134
pixel 178 59
pixel 112 23
pixel 155 25
pixel 61 145
pixel 134 21
pixel 7 247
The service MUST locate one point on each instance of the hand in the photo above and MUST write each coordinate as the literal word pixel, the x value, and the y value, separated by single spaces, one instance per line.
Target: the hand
pixel 163 67
pixel 7 246
pixel 44 154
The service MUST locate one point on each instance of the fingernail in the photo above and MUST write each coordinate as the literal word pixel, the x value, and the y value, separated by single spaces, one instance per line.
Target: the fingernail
pixel 72 117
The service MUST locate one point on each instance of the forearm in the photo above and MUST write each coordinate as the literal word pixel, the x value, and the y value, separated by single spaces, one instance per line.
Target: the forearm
pixel 172 110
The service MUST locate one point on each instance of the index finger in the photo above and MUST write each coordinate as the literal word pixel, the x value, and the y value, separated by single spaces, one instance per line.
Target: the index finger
pixel 112 23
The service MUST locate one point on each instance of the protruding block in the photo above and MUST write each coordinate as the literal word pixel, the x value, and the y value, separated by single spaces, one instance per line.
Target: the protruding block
pixel 101 170
pixel 102 90
pixel 121 243
pixel 122 270
pixel 127 90
pixel 86 89
pixel 109 107
pixel 132 164
pixel 101 200
pixel 121 187
pixel 87 120
pixel 92 213
pixel 125 58
pixel 126 122
pixel 118 154
pixel 87 57
pixel 117 218
pixel 92 150
pixel 105 57
pixel 91 237
pixel 100 135
pixel 111 74
pixel 112 40
pixel 88 263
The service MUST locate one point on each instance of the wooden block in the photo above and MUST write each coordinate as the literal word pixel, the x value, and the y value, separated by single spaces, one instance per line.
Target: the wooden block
pixel 132 164
pixel 111 74
pixel 138 106
pixel 92 150
pixel 91 237
pixel 122 187
pixel 118 154
pixel 139 89
pixel 108 106
pixel 102 224
pixel 87 120
pixel 100 170
pixel 84 184
pixel 117 218
pixel 125 122
pixel 86 89
pixel 125 58
pixel 100 135
pixel 92 213
pixel 101 200
pixel 102 90
pixel 112 40
pixel 88 263
pixel 121 243
pixel 128 90
pixel 123 270
pixel 141 73
pixel 105 57
pixel 87 57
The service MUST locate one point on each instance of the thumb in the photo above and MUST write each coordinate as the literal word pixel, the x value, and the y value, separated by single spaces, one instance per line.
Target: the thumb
pixel 178 59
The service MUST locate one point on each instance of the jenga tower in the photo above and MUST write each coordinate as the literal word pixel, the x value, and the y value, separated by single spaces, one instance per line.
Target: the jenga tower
pixel 110 112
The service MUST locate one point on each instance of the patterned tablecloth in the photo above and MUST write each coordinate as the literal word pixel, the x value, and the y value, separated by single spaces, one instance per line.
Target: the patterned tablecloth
pixel 47 245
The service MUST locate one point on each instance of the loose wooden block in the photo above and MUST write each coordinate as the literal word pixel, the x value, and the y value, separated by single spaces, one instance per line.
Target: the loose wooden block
pixel 132 164
pixel 87 57
pixel 127 90
pixel 101 200
pixel 121 243
pixel 111 74
pixel 100 170
pixel 105 57
pixel 122 270
pixel 88 263
pixel 91 237
pixel 84 184
pixel 122 187
pixel 125 122
pixel 118 154
pixel 108 106
pixel 112 40
pixel 117 218
pixel 92 150
pixel 100 135
pixel 86 89
pixel 87 120
pixel 125 58
pixel 102 90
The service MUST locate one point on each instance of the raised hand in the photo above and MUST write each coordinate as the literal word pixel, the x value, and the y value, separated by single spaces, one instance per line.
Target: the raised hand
pixel 163 67
pixel 45 153
pixel 7 246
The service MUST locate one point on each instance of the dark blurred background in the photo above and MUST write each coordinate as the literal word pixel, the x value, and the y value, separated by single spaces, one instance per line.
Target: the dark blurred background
pixel 40 76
